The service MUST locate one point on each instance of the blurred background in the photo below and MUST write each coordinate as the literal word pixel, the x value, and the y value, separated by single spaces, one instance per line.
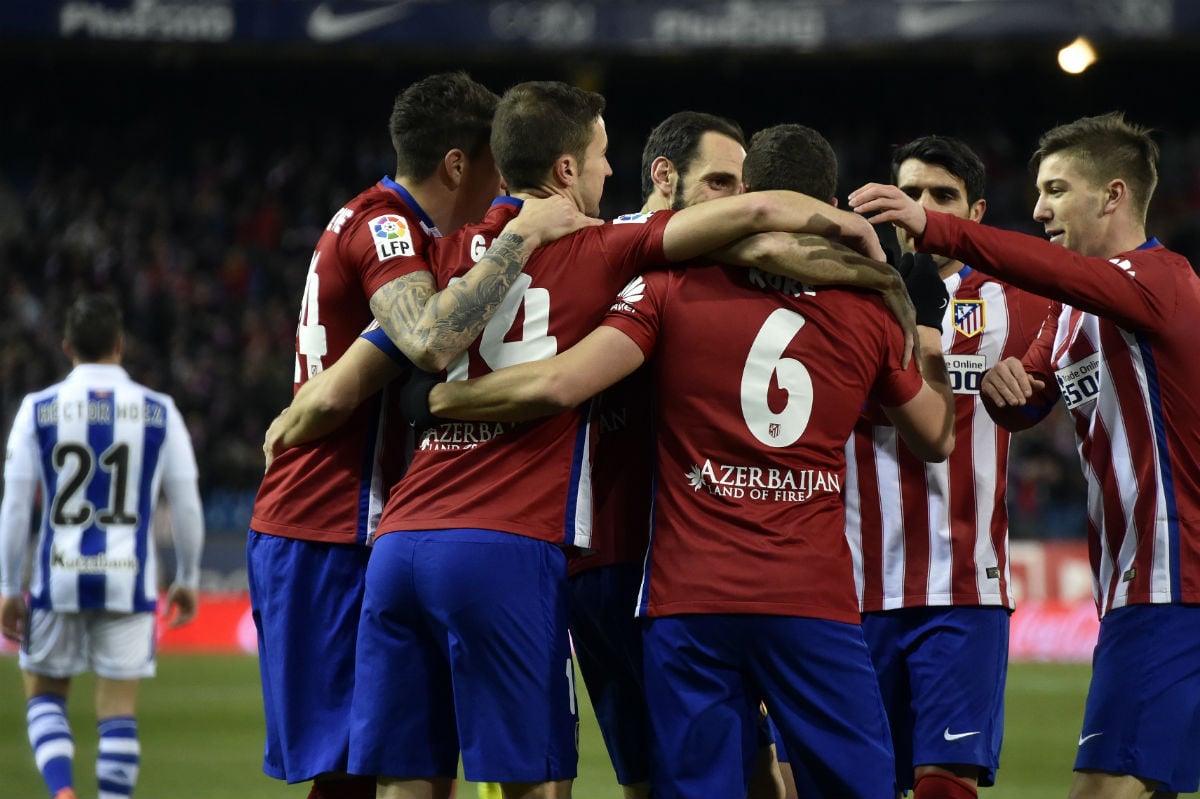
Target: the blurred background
pixel 185 154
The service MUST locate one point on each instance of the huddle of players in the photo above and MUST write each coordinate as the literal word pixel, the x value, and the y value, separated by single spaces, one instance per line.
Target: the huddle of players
pixel 751 560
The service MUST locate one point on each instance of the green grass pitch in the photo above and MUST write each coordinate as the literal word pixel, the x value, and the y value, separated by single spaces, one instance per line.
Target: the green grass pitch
pixel 201 731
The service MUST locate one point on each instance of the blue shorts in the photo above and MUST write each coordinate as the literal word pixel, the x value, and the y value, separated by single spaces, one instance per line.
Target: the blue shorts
pixel 608 646
pixel 306 598
pixel 1143 707
pixel 463 644
pixel 942 672
pixel 705 675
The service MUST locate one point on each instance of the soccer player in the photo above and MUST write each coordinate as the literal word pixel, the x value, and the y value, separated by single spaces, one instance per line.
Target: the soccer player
pixel 317 507
pixel 748 581
pixel 101 447
pixel 1112 349
pixel 930 540
pixel 465 605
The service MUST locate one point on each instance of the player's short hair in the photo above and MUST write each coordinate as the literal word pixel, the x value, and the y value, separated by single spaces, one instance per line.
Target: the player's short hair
pixel 538 121
pixel 792 157
pixel 437 114
pixel 677 138
pixel 1107 147
pixel 93 327
pixel 951 154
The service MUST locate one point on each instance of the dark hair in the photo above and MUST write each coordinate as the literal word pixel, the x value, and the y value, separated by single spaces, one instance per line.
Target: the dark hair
pixel 435 115
pixel 792 157
pixel 538 121
pixel 677 138
pixel 1107 147
pixel 953 155
pixel 93 327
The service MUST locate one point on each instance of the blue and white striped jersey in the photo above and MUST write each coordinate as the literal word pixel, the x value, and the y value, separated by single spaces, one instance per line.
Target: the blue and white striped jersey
pixel 101 446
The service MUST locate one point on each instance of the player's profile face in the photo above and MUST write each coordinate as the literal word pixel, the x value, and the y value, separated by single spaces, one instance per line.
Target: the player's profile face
pixel 593 171
pixel 715 171
pixel 1069 205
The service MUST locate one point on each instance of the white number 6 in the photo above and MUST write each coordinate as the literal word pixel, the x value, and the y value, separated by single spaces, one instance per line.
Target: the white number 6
pixel 765 359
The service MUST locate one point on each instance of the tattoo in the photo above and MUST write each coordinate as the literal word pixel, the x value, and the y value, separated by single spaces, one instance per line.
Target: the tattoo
pixel 433 328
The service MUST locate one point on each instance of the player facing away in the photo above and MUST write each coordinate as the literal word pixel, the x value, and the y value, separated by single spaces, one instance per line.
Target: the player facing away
pixel 317 507
pixel 930 540
pixel 1113 348
pixel 101 447
pixel 748 583
pixel 491 507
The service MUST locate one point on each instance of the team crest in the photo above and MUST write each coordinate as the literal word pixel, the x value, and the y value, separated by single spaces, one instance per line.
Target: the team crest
pixel 392 236
pixel 970 316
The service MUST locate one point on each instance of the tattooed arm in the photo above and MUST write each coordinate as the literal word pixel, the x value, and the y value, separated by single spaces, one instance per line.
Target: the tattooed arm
pixel 432 327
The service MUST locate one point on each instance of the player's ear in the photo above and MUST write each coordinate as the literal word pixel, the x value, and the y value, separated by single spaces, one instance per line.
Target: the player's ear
pixel 977 210
pixel 454 163
pixel 1115 193
pixel 662 173
pixel 566 170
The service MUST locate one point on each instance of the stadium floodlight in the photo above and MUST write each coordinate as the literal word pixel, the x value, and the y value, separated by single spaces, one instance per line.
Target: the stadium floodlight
pixel 1076 56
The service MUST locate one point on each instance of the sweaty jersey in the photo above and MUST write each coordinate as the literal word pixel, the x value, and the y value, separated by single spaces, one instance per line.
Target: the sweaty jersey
pixel 101 446
pixel 332 490
pixel 937 533
pixel 1119 351
pixel 530 478
pixel 757 384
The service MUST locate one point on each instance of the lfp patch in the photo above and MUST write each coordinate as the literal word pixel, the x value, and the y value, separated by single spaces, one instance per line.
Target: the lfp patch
pixel 970 316
pixel 391 235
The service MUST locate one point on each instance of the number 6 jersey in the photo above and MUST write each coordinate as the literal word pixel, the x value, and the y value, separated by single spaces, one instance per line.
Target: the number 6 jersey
pixel 757 384
pixel 101 446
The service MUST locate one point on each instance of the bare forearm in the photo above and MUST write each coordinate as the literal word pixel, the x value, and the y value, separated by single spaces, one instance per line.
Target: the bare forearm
pixel 515 394
pixel 433 327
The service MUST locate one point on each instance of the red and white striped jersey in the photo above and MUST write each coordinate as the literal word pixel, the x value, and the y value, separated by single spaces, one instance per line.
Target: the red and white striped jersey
pixel 937 533
pixel 1119 351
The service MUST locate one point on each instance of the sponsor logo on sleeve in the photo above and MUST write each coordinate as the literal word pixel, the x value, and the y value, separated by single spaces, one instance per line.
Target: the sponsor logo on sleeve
pixel 1125 266
pixel 633 292
pixel 392 236
pixel 1080 382
pixel 633 219
pixel 970 316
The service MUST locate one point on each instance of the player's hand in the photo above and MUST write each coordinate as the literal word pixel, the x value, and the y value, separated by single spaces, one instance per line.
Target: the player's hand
pixel 889 204
pixel 181 605
pixel 12 619
pixel 273 441
pixel 1007 384
pixel 925 287
pixel 543 220
pixel 413 399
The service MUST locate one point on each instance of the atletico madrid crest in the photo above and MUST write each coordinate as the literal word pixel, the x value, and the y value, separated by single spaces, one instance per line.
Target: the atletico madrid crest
pixel 970 316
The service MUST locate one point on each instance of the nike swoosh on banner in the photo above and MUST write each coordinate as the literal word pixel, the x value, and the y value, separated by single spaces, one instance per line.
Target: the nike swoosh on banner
pixel 916 22
pixel 954 736
pixel 1085 738
pixel 326 25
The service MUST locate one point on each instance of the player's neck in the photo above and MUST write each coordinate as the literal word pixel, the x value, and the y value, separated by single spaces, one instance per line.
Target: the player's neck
pixel 950 268
pixel 435 200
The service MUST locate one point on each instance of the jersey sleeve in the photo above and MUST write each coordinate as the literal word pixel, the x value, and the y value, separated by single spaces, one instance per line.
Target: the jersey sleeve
pixel 1122 289
pixel 637 310
pixel 181 488
pixel 20 490
pixel 634 243
pixel 383 246
pixel 896 384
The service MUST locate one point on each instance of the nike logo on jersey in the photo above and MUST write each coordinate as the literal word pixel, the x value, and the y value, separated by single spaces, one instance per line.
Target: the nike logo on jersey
pixel 954 736
pixel 326 25
pixel 1085 738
